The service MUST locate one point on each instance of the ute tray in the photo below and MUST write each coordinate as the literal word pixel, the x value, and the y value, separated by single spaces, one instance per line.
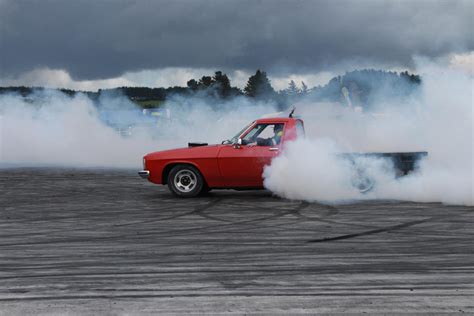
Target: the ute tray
pixel 404 162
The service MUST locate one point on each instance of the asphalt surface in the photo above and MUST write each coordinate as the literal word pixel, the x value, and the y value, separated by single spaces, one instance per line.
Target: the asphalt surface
pixel 108 242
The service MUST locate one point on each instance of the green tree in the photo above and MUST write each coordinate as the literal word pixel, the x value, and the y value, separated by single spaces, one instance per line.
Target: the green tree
pixel 411 78
pixel 304 88
pixel 205 82
pixel 258 86
pixel 292 89
pixel 192 84
pixel 222 84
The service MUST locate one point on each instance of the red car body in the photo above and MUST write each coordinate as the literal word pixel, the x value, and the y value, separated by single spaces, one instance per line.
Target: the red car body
pixel 224 165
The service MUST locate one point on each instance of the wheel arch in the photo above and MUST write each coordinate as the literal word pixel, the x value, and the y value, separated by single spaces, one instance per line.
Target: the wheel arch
pixel 167 169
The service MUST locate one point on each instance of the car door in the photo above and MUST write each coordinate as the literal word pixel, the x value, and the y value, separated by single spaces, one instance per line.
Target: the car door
pixel 242 165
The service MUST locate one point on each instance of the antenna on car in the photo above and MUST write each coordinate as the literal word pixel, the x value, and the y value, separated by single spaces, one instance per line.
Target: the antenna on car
pixel 292 111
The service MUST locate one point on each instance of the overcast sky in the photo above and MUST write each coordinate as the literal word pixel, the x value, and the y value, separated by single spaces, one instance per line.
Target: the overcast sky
pixel 101 43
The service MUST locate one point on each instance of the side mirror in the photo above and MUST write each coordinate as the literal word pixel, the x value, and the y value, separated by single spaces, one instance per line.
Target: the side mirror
pixel 238 144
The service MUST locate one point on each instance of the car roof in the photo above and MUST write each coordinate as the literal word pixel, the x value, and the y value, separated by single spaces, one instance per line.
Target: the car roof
pixel 275 120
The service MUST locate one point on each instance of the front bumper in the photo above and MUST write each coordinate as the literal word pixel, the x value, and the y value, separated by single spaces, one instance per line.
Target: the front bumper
pixel 144 174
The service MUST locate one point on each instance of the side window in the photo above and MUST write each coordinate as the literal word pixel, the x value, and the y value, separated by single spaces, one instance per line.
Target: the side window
pixel 267 132
pixel 252 135
pixel 264 135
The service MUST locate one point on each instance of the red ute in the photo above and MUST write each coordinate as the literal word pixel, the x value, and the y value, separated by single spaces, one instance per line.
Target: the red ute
pixel 236 163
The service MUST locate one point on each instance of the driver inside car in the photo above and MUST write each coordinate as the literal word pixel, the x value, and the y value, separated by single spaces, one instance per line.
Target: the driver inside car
pixel 271 141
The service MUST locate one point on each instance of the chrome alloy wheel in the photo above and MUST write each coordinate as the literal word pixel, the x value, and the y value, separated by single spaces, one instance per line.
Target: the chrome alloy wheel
pixel 185 180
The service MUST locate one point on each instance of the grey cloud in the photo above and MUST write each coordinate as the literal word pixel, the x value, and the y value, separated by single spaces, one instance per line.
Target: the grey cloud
pixel 103 39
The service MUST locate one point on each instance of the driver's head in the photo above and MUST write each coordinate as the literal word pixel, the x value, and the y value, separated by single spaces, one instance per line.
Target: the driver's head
pixel 277 128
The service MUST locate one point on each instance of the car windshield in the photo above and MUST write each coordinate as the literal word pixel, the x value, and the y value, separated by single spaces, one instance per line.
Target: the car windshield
pixel 234 139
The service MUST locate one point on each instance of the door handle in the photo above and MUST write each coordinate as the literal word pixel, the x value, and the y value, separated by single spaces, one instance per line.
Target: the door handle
pixel 273 148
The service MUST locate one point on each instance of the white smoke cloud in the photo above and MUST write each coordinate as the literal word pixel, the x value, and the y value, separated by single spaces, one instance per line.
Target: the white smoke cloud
pixel 51 128
pixel 439 121
pixel 62 131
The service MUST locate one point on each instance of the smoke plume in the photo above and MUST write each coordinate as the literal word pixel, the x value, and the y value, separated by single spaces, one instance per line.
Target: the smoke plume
pixel 53 129
pixel 438 120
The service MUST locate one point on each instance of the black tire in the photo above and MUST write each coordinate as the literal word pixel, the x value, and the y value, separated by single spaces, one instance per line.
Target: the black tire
pixel 185 181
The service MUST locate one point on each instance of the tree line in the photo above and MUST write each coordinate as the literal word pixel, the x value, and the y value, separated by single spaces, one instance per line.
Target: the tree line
pixel 360 87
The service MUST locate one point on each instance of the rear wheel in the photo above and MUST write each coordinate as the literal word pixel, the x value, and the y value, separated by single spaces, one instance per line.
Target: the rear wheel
pixel 185 181
pixel 364 185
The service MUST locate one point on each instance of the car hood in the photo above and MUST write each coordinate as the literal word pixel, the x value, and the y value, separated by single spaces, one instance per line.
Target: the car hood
pixel 209 151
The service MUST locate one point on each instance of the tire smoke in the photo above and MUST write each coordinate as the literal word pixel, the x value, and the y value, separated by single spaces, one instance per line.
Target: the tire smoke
pixel 439 120
pixel 53 129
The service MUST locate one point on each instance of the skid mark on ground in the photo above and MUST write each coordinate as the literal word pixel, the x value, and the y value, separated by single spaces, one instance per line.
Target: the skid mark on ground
pixel 373 231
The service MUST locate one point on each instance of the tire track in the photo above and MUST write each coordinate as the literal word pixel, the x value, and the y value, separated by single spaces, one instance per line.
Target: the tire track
pixel 372 232
pixel 281 213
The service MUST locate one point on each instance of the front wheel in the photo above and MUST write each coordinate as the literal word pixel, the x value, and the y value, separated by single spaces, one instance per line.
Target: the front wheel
pixel 185 181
